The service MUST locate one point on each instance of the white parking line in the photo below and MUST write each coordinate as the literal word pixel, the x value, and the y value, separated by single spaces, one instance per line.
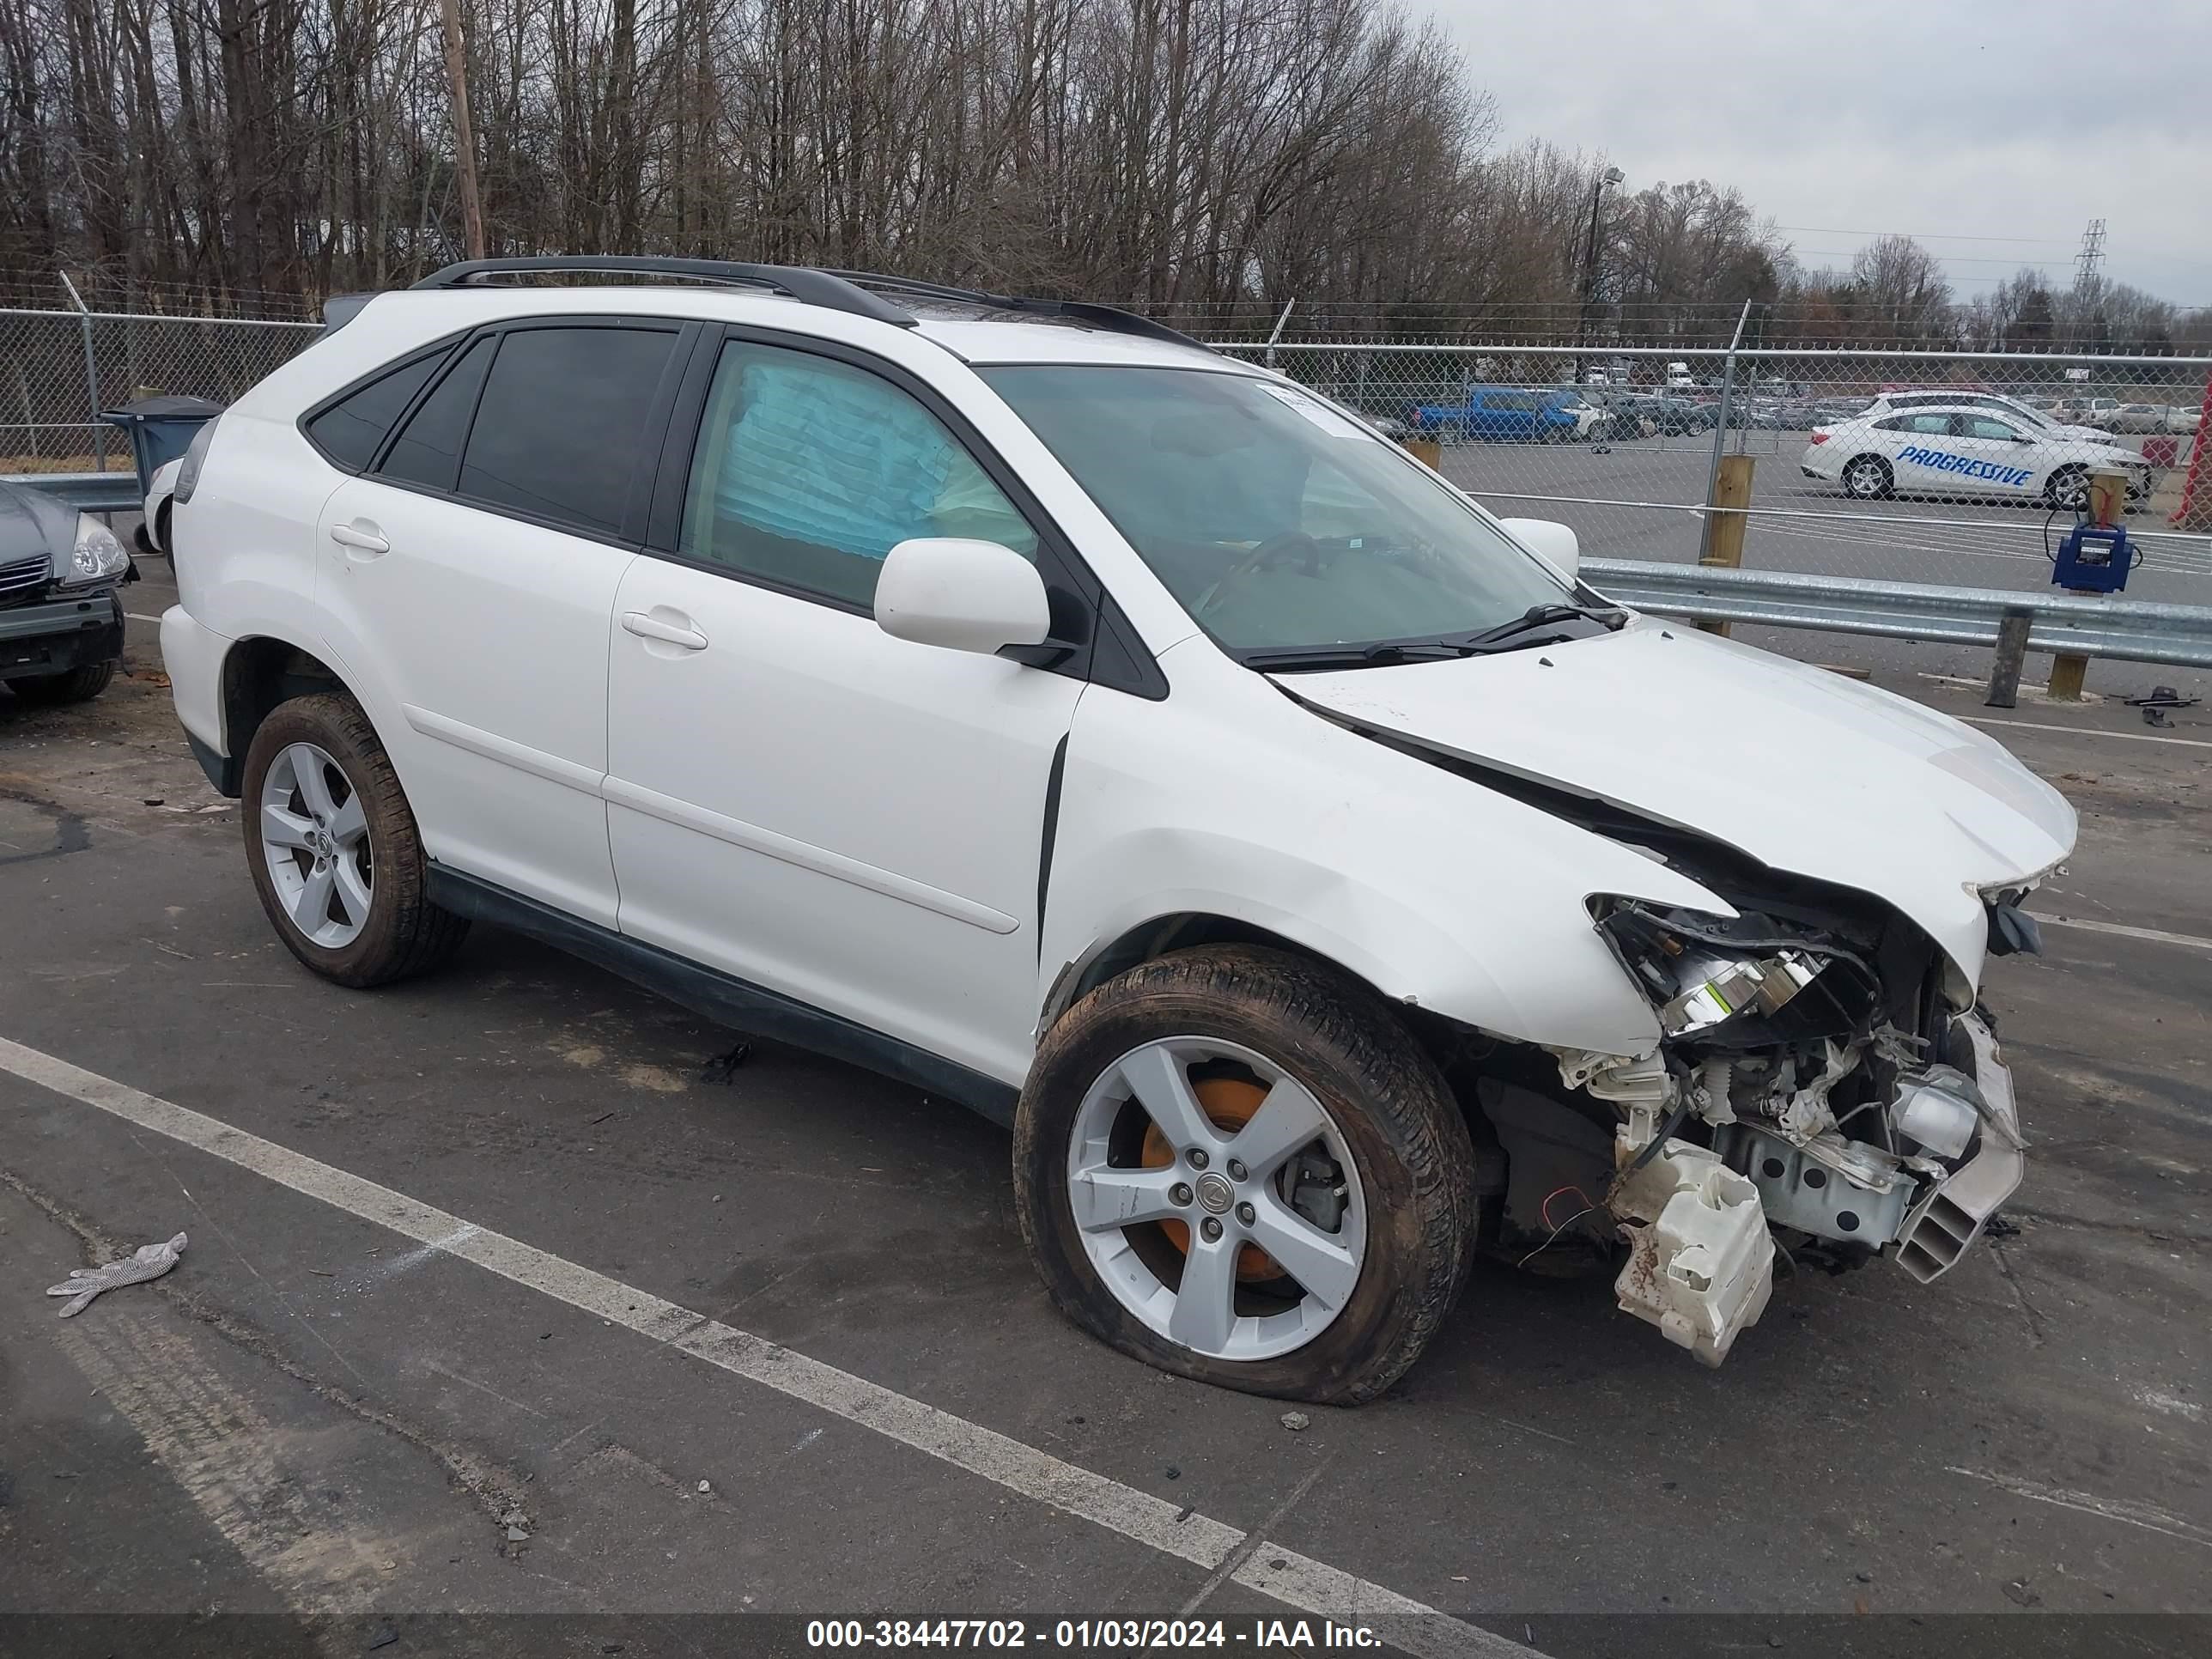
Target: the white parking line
pixel 137 616
pixel 2084 732
pixel 2151 933
pixel 1310 1586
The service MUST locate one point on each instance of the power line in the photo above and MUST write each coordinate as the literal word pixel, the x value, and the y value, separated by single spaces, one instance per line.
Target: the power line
pixel 1923 236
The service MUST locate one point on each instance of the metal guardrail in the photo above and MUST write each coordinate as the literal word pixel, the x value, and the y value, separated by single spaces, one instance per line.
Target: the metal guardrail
pixel 88 492
pixel 2128 630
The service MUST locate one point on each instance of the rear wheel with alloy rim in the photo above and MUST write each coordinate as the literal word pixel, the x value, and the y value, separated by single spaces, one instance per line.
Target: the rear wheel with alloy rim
pixel 1237 1164
pixel 1868 478
pixel 334 848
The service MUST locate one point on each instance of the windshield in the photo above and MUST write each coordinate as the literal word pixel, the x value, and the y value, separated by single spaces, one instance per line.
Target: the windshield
pixel 1279 524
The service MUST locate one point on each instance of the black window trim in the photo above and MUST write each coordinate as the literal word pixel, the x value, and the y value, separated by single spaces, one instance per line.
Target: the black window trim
pixel 1081 607
pixel 445 348
pixel 629 535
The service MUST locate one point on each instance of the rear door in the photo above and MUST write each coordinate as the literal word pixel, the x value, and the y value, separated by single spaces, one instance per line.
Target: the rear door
pixel 1918 449
pixel 469 573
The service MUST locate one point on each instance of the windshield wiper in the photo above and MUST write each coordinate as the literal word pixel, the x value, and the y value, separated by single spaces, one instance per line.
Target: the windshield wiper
pixel 1511 635
pixel 1353 656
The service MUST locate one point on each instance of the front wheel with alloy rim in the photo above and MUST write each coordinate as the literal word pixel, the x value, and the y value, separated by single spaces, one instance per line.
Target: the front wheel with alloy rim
pixel 1238 1165
pixel 2068 487
pixel 1868 478
pixel 334 848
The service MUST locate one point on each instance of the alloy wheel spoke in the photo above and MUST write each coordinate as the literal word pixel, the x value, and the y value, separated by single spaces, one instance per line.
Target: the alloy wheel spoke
pixel 352 891
pixel 1104 1197
pixel 1205 1311
pixel 1289 1118
pixel 1155 1075
pixel 350 822
pixel 308 775
pixel 282 828
pixel 311 910
pixel 1318 1261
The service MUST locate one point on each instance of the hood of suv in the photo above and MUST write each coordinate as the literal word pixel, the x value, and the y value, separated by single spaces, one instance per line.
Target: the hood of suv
pixel 1803 769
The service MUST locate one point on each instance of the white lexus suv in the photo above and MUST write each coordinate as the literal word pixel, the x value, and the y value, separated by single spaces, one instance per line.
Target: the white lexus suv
pixel 1022 700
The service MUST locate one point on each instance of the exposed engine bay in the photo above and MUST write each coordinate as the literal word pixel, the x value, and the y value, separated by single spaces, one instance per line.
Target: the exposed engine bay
pixel 1823 1084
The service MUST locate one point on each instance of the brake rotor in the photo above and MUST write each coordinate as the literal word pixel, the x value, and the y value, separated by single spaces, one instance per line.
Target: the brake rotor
pixel 1229 1104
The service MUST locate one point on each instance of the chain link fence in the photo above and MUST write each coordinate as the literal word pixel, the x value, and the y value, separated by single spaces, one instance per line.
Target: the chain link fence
pixel 1888 464
pixel 60 368
pixel 1961 469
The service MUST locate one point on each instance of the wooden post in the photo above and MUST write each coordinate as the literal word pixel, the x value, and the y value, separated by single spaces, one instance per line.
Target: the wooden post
pixel 1427 451
pixel 2108 504
pixel 1724 526
pixel 464 149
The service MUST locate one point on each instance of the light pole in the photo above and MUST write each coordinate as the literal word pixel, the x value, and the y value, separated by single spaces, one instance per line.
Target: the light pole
pixel 1610 176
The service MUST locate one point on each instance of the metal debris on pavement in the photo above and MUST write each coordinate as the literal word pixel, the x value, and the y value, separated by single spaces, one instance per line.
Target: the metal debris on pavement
pixel 1296 1420
pixel 147 1261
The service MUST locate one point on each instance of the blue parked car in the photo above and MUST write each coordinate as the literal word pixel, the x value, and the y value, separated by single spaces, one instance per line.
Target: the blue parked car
pixel 1502 415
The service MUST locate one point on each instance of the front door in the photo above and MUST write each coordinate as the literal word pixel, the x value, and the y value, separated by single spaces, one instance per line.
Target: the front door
pixel 795 797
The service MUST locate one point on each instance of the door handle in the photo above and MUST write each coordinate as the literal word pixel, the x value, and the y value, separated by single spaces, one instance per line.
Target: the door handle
pixel 649 627
pixel 359 537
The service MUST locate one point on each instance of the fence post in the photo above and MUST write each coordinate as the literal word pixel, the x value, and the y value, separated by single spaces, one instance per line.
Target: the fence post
pixel 1725 523
pixel 2012 652
pixel 1278 334
pixel 2195 512
pixel 1720 431
pixel 91 375
pixel 2108 505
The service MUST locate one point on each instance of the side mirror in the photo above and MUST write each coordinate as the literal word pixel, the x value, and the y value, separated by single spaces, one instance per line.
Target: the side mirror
pixel 964 595
pixel 1555 542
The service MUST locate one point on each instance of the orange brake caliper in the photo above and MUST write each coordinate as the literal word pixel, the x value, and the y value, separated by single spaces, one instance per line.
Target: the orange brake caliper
pixel 1229 1104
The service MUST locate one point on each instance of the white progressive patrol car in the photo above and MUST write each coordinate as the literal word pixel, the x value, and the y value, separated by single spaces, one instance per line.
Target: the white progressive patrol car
pixel 1962 450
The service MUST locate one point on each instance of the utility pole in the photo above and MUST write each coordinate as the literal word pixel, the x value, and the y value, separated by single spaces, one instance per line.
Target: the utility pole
pixel 2087 279
pixel 464 149
pixel 1610 176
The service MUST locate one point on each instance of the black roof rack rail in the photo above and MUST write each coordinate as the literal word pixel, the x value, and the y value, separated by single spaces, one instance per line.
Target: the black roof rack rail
pixel 1110 317
pixel 810 287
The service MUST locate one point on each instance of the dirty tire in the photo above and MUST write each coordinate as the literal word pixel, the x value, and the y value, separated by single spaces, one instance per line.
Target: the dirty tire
pixel 1392 1107
pixel 1868 478
pixel 79 685
pixel 406 934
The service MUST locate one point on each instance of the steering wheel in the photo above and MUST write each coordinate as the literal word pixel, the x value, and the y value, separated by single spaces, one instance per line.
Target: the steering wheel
pixel 1269 552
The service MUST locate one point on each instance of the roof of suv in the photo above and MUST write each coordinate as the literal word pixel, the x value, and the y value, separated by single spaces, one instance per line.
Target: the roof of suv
pixel 977 327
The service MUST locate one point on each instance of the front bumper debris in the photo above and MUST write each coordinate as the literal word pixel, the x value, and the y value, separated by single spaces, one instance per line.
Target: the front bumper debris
pixel 1944 1225
pixel 1700 1260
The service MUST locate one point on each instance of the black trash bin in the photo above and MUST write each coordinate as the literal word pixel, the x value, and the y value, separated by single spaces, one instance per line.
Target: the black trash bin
pixel 161 429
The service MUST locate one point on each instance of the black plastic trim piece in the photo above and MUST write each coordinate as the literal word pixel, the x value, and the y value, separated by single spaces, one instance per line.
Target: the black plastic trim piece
pixel 724 997
pixel 1052 782
pixel 800 283
pixel 226 774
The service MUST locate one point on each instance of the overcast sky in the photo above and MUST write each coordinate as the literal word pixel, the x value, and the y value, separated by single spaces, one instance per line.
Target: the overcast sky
pixel 1946 120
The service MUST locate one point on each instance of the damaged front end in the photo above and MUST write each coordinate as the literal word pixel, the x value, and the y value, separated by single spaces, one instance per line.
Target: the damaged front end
pixel 1823 1079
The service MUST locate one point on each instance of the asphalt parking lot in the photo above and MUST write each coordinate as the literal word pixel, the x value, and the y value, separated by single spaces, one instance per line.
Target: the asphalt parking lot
pixel 1963 544
pixel 502 1296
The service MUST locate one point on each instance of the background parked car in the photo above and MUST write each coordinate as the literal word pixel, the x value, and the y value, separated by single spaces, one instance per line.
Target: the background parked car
pixel 61 624
pixel 2149 418
pixel 1504 415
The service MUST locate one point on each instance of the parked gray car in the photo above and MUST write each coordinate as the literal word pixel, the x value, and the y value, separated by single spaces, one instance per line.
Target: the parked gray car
pixel 61 616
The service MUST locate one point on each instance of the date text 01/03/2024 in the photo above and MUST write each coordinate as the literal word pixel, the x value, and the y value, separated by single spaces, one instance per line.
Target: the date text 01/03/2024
pixel 1088 1635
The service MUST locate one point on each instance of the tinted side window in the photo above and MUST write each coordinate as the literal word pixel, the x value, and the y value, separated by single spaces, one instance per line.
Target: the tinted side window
pixel 349 430
pixel 808 471
pixel 428 448
pixel 562 424
pixel 1981 426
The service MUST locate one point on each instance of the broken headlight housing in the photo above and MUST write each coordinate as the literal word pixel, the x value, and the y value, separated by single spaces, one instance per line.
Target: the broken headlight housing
pixel 1739 982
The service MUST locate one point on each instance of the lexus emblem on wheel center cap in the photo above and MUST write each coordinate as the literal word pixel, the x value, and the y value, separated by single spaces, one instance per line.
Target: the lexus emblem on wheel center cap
pixel 1215 1194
